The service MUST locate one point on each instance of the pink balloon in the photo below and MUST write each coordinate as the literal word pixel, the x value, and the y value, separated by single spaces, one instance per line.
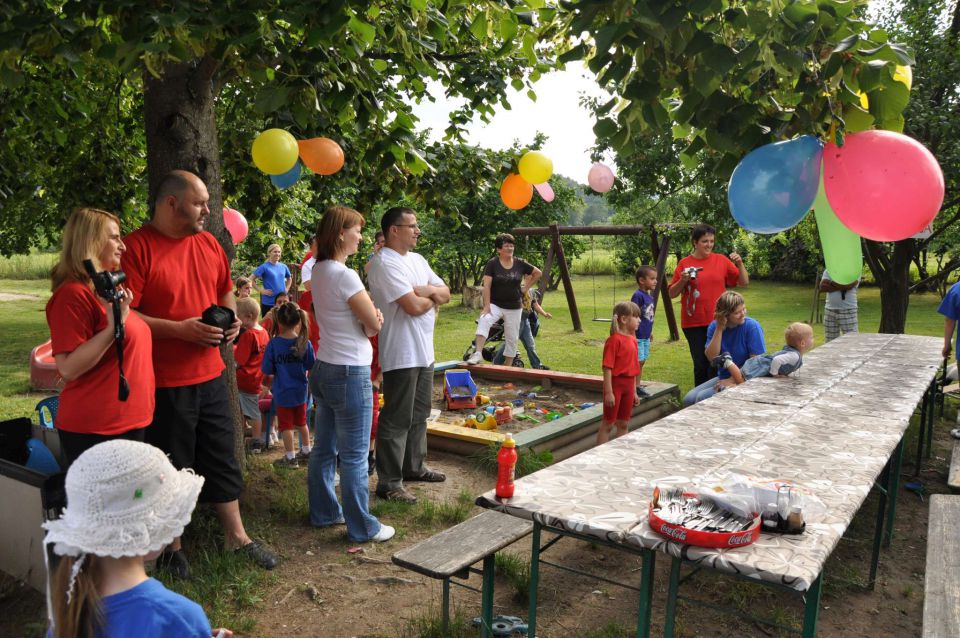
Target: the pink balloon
pixel 236 224
pixel 546 192
pixel 600 178
pixel 882 185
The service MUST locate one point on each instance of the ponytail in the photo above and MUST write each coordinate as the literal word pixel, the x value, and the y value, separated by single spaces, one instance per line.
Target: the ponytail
pixel 82 616
pixel 288 316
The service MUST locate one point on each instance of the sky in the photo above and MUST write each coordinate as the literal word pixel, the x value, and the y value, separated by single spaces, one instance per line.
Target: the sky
pixel 556 113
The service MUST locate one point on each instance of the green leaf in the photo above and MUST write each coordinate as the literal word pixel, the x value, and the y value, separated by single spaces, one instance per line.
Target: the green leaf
pixel 871 73
pixel 380 65
pixel 11 78
pixel 605 128
pixel 847 43
pixel 720 58
pixel 799 11
pixel 856 119
pixel 888 101
pixel 508 26
pixel 365 31
pixel 479 26
pixel 705 80
pixel 640 90
pixel 271 98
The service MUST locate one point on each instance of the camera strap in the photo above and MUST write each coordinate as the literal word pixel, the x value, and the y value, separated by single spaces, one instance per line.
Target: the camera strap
pixel 693 293
pixel 123 391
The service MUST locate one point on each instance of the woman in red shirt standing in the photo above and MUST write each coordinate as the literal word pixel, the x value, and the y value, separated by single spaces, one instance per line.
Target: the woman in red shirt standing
pixel 82 334
pixel 699 280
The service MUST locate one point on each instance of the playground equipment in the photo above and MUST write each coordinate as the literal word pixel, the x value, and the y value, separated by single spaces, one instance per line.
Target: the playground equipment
pixel 43 369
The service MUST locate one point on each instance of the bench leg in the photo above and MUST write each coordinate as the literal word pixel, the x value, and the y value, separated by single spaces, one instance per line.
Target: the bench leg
pixel 930 417
pixel 893 487
pixel 534 580
pixel 672 592
pixel 446 606
pixel 921 437
pixel 486 597
pixel 811 608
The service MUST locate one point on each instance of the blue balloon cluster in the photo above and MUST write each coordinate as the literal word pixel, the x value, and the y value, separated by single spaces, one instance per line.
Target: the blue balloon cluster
pixel 774 186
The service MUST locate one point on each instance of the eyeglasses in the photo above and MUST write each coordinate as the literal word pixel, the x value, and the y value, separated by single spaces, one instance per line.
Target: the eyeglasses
pixel 413 226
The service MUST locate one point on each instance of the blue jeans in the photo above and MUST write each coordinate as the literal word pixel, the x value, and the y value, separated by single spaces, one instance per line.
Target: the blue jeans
pixel 701 393
pixel 526 338
pixel 344 412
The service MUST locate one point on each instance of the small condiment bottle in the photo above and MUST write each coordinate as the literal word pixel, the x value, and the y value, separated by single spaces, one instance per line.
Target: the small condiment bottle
pixel 795 519
pixel 770 518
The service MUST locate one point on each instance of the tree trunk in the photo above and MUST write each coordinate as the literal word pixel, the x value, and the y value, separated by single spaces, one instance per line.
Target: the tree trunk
pixel 892 273
pixel 181 131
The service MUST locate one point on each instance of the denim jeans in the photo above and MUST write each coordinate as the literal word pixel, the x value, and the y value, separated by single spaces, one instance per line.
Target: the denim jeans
pixel 526 338
pixel 344 411
pixel 701 393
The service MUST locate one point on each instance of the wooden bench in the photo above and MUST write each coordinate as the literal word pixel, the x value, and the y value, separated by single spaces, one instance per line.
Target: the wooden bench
pixel 452 552
pixel 941 603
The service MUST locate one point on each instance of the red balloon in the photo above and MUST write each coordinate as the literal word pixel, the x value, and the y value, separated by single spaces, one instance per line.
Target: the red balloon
pixel 236 224
pixel 882 185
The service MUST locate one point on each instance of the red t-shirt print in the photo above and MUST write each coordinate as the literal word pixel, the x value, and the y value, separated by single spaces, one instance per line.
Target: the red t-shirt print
pixel 620 355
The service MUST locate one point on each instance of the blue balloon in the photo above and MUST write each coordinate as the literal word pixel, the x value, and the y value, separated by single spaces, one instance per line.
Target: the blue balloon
pixel 288 179
pixel 774 186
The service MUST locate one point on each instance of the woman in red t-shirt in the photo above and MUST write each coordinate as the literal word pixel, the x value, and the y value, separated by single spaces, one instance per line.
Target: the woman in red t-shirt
pixel 699 280
pixel 82 334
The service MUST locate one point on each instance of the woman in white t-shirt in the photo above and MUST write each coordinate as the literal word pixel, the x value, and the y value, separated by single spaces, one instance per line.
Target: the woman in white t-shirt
pixel 340 381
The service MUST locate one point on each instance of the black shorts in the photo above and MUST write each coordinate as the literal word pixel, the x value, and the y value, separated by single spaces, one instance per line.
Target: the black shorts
pixel 193 424
pixel 73 444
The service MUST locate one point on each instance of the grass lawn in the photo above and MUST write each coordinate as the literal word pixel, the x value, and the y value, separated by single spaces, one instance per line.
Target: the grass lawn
pixel 774 305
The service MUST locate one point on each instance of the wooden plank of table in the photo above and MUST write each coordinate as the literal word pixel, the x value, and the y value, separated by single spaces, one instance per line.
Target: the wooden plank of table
pixel 941 602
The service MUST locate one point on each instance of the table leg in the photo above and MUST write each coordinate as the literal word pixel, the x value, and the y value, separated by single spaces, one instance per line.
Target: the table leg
pixel 921 437
pixel 534 581
pixel 672 592
pixel 878 529
pixel 811 608
pixel 446 606
pixel 646 593
pixel 930 417
pixel 893 487
pixel 486 597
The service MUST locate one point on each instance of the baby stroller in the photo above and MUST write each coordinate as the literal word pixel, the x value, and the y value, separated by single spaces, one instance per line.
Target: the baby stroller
pixel 491 348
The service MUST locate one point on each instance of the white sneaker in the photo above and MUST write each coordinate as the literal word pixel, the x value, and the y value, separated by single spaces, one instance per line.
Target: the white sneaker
pixel 475 358
pixel 386 533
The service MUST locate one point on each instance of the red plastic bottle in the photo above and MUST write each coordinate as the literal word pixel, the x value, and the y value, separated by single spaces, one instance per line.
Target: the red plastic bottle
pixel 506 465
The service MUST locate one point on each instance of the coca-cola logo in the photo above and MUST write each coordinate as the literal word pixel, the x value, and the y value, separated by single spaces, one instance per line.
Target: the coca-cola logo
pixel 740 539
pixel 676 533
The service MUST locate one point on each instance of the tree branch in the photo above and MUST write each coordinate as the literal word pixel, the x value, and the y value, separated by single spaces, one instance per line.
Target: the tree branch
pixel 943 273
pixel 946 225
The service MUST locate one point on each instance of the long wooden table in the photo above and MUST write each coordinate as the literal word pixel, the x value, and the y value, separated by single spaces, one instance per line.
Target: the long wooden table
pixel 834 429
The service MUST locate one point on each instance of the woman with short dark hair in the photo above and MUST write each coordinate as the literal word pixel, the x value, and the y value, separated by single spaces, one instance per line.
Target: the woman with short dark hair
pixel 505 279
pixel 699 280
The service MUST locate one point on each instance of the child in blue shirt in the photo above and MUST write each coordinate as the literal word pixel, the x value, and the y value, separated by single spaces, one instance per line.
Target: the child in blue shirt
pixel 289 357
pixel 799 340
pixel 950 309
pixel 125 503
pixel 646 277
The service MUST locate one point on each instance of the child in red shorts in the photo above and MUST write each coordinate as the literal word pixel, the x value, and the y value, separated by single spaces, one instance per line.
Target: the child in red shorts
pixel 289 357
pixel 620 371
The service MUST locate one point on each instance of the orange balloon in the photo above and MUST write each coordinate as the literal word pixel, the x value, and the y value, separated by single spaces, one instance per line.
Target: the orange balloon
pixel 321 155
pixel 516 192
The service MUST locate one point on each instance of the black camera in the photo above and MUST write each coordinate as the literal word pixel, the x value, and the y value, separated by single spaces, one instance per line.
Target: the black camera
pixel 219 317
pixel 107 284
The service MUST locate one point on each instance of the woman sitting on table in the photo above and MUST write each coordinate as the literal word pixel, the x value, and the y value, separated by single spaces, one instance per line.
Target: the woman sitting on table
pixel 731 331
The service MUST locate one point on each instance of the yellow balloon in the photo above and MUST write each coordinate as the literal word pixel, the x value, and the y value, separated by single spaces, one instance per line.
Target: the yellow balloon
pixel 275 151
pixel 535 167
pixel 904 74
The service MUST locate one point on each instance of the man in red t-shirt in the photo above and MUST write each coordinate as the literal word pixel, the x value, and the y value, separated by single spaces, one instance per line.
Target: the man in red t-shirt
pixel 698 294
pixel 176 271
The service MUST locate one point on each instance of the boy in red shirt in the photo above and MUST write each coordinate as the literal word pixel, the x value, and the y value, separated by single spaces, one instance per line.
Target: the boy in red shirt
pixel 248 352
pixel 620 371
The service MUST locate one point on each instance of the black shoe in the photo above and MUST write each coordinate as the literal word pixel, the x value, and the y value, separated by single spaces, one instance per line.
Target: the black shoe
pixel 174 563
pixel 543 367
pixel 642 393
pixel 259 554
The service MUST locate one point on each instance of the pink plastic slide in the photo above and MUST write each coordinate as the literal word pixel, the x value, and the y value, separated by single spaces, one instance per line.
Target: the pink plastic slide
pixel 43 369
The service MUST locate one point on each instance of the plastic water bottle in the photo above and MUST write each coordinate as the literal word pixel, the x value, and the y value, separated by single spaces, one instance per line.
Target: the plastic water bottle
pixel 506 467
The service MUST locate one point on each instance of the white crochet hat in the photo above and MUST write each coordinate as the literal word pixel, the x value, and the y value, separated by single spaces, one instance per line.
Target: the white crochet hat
pixel 124 498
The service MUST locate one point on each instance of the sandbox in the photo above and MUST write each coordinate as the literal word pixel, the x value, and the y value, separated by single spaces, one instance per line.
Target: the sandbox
pixel 564 393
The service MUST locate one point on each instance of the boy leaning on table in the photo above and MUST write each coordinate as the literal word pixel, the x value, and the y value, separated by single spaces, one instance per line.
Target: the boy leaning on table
pixel 950 309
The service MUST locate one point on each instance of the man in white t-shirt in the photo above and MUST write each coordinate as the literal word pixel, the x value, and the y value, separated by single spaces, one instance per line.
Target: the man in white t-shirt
pixel 840 310
pixel 407 291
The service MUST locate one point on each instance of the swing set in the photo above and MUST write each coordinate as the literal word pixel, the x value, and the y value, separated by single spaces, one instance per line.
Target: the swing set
pixel 660 247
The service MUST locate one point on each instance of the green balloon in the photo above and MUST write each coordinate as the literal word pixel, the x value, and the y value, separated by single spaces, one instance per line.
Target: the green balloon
pixel 841 246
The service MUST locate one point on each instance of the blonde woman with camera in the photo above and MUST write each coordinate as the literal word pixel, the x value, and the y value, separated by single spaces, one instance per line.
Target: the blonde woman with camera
pixel 83 339
pixel 699 280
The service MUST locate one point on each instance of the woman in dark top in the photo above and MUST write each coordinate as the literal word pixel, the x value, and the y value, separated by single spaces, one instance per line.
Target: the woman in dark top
pixel 505 279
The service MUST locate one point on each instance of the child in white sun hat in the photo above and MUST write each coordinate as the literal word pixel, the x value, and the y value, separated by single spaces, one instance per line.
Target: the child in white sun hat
pixel 125 502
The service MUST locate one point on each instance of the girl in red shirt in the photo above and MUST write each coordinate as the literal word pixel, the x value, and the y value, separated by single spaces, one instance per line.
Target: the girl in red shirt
pixel 82 335
pixel 620 371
